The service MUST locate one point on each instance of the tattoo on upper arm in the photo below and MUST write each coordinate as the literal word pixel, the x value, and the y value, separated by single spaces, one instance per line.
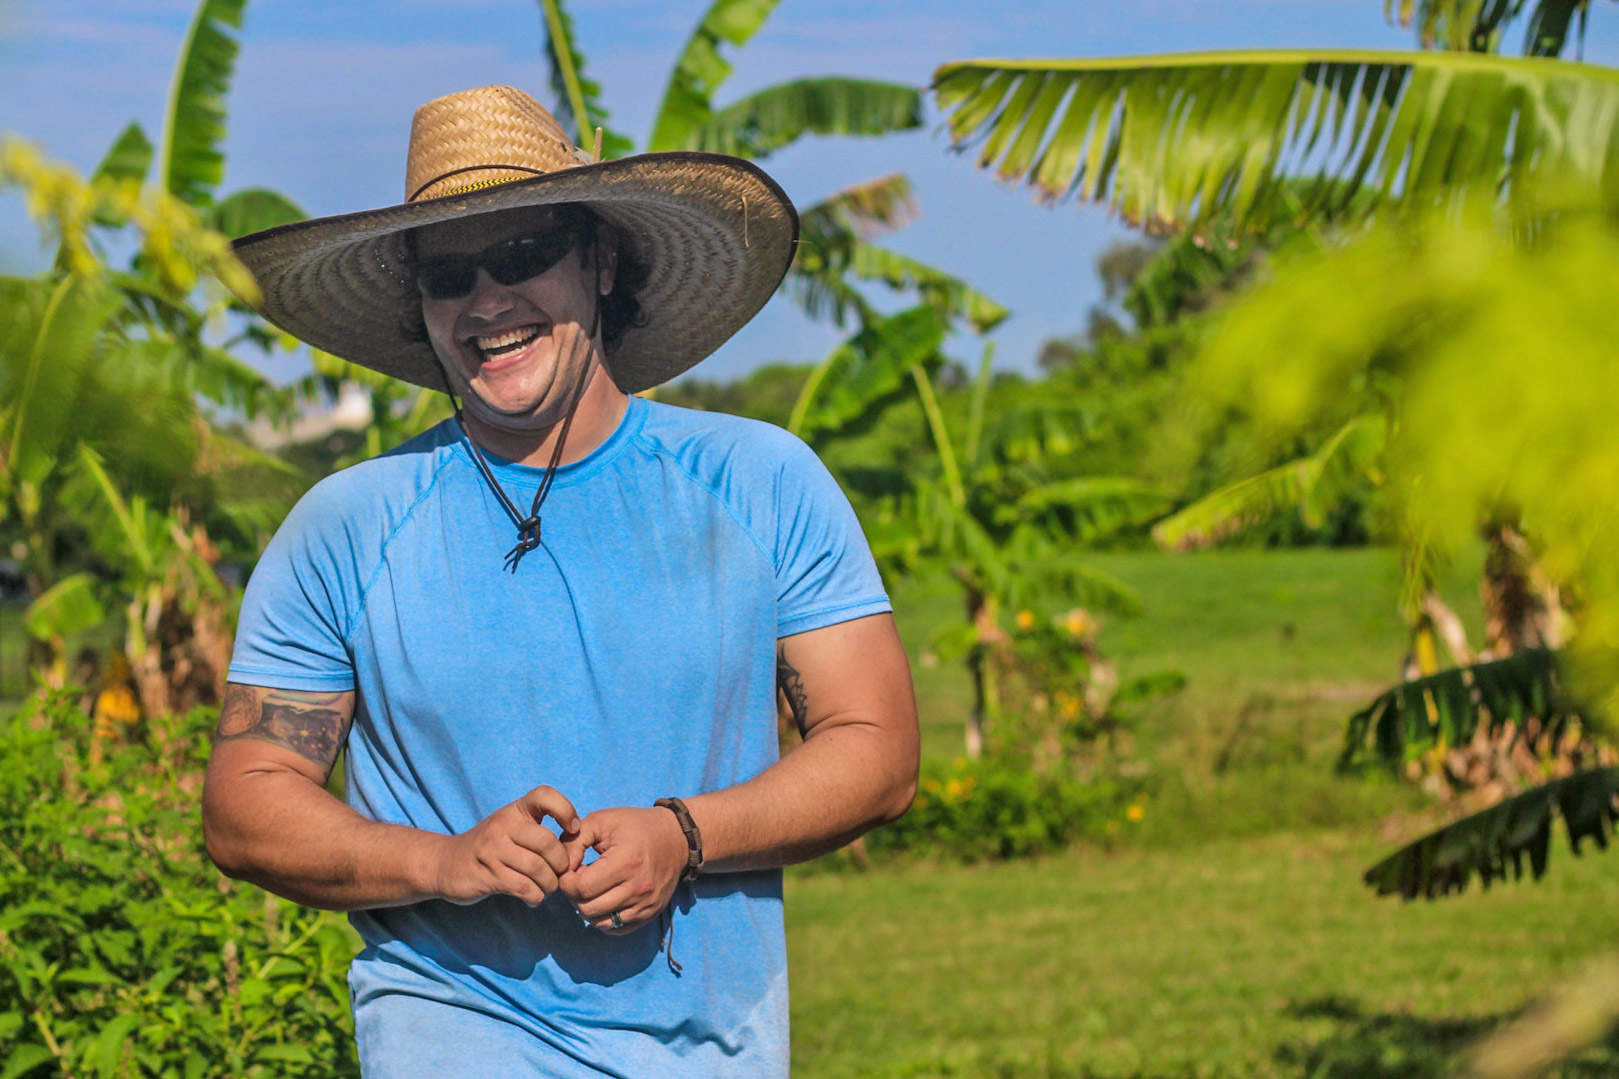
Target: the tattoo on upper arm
pixel 791 685
pixel 313 725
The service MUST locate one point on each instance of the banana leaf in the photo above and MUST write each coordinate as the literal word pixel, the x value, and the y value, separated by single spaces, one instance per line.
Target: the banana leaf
pixel 1312 485
pixel 1493 844
pixel 688 101
pixel 191 163
pixel 573 90
pixel 1190 139
pixel 764 122
pixel 1478 25
pixel 1450 707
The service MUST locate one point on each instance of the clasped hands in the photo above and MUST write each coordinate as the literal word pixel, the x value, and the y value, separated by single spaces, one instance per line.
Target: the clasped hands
pixel 641 854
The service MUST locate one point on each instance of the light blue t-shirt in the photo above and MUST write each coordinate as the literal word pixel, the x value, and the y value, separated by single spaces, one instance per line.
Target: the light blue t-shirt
pixel 629 657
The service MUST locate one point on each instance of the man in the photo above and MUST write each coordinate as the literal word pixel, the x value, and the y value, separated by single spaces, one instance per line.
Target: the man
pixel 569 604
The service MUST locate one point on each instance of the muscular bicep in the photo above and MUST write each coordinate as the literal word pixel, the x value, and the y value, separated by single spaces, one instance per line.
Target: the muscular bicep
pixel 299 729
pixel 853 672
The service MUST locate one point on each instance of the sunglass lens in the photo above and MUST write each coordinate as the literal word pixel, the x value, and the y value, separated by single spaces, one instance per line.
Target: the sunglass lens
pixel 446 278
pixel 523 257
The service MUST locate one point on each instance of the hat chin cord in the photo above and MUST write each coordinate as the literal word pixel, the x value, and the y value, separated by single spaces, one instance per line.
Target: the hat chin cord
pixel 528 528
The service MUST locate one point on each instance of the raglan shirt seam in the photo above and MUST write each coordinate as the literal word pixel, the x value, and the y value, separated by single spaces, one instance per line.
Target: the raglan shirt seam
pixel 348 678
pixel 802 622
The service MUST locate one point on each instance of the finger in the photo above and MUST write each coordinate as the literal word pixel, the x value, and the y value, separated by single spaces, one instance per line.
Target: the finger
pixel 516 883
pixel 549 802
pixel 632 911
pixel 533 867
pixel 542 841
pixel 596 879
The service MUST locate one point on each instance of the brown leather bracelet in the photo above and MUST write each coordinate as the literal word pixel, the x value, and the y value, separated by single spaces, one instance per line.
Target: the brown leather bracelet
pixel 694 838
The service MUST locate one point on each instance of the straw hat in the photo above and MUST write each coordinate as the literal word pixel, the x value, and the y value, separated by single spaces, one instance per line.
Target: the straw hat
pixel 715 233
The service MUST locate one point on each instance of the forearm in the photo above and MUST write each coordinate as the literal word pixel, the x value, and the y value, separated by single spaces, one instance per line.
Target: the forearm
pixel 290 836
pixel 841 782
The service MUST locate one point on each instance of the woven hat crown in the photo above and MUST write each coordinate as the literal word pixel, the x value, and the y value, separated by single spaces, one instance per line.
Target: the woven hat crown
pixel 479 138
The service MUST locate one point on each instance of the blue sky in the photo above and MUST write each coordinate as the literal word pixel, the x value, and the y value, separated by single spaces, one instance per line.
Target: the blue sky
pixel 324 92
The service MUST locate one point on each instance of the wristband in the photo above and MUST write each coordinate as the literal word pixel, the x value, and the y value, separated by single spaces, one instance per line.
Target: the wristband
pixel 694 838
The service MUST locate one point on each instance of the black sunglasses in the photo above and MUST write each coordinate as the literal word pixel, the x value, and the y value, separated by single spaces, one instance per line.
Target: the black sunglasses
pixel 449 277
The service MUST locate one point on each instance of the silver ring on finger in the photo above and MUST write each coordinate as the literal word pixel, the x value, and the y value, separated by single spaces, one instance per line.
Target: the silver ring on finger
pixel 618 923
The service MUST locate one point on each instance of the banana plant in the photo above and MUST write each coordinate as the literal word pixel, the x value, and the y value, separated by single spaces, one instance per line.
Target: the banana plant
pixel 836 247
pixel 988 510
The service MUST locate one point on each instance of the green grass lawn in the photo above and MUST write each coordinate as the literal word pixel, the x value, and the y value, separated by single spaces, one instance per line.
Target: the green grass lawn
pixel 1254 958
pixel 1228 934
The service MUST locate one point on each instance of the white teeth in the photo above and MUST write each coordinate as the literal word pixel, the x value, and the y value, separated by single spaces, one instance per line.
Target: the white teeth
pixel 502 341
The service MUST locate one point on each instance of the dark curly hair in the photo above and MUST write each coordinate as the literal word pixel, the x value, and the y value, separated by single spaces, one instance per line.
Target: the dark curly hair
pixel 620 308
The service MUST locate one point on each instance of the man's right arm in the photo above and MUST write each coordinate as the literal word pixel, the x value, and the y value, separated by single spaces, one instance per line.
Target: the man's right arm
pixel 268 818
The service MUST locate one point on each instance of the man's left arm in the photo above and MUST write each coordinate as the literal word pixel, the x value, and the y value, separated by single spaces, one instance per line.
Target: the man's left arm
pixel 849 687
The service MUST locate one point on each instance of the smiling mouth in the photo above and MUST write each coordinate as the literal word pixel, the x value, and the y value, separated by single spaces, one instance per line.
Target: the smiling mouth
pixel 499 346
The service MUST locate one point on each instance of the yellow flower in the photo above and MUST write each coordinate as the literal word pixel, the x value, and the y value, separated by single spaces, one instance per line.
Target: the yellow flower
pixel 930 785
pixel 1025 620
pixel 1078 623
pixel 1070 706
pixel 921 802
pixel 1135 812
pixel 967 785
pixel 954 789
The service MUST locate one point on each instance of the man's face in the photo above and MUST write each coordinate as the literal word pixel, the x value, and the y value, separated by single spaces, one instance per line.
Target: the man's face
pixel 506 347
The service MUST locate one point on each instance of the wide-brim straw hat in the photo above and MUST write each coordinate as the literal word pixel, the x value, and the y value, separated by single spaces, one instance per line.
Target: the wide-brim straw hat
pixel 715 233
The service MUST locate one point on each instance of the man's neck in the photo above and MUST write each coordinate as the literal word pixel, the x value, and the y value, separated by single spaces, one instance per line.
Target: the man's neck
pixel 601 408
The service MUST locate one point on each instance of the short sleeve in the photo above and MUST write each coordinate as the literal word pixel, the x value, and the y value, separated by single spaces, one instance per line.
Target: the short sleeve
pixel 825 573
pixel 295 612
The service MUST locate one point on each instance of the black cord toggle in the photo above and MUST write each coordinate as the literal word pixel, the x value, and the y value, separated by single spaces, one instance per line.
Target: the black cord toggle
pixel 528 538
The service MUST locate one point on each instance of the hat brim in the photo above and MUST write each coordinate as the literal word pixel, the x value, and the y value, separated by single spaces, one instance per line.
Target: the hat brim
pixel 715 233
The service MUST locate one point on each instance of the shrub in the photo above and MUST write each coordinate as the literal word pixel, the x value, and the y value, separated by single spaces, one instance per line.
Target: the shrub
pixel 998 808
pixel 123 952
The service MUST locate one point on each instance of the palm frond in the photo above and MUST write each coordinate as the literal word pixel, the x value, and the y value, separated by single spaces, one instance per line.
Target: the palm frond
pixel 1312 485
pixel 1479 25
pixel 191 163
pixel 688 101
pixel 1186 139
pixel 777 116
pixel 1493 844
pixel 573 90
pixel 1448 708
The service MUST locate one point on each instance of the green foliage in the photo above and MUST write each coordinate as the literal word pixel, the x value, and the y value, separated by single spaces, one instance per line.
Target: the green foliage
pixel 688 100
pixel 835 245
pixel 764 122
pixel 190 162
pixel 866 372
pixel 1478 25
pixel 1194 138
pixel 1312 485
pixel 122 951
pixel 1448 708
pixel 1492 844
pixel 65 608
pixel 573 91
pixel 253 210
pixel 1001 809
